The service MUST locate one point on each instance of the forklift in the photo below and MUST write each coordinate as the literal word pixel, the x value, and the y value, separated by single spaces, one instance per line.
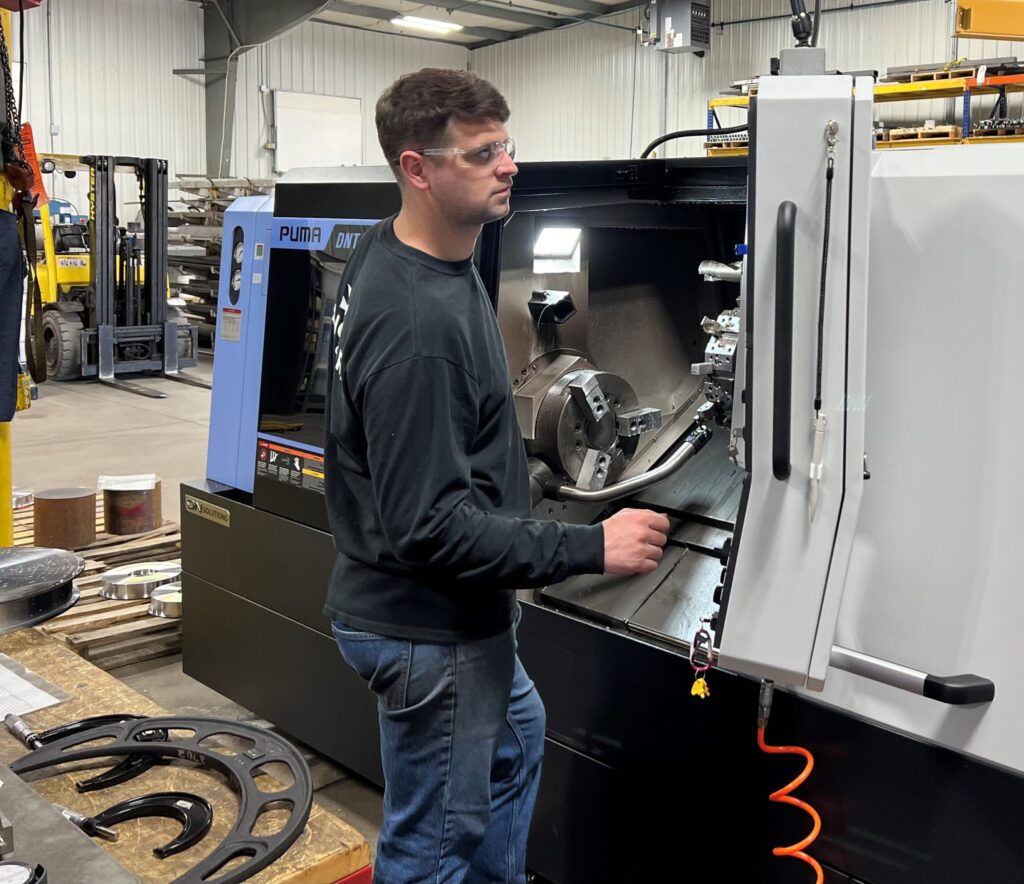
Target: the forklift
pixel 104 286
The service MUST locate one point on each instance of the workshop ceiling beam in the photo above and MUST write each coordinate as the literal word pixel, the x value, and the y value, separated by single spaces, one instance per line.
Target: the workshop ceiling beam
pixel 378 13
pixel 534 20
pixel 555 22
pixel 579 6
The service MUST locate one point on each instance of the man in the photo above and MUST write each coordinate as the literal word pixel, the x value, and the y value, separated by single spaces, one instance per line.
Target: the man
pixel 428 498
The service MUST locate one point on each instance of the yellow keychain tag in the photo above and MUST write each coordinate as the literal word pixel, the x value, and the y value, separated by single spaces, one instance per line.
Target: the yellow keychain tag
pixel 701 643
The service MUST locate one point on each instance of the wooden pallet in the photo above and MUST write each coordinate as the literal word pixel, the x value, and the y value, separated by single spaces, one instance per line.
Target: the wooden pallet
pixel 111 632
pixel 934 142
pixel 728 151
pixel 997 133
pixel 951 74
pixel 920 133
pixel 727 144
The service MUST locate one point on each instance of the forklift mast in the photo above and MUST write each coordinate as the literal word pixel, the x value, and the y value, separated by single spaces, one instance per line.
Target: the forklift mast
pixel 122 295
pixel 126 327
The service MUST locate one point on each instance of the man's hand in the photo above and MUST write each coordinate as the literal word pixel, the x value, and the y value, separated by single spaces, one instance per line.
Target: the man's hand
pixel 634 541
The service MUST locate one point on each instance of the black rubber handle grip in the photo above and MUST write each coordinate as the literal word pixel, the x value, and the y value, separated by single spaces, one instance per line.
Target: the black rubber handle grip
pixel 785 261
pixel 959 690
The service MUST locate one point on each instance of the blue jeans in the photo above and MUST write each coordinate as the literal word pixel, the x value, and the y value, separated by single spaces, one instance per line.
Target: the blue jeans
pixel 462 737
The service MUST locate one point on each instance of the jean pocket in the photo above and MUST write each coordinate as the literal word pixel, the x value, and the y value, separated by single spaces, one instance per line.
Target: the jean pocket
pixel 380 661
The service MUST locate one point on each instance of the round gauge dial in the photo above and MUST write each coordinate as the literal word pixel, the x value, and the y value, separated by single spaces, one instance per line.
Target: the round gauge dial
pixel 238 253
pixel 236 280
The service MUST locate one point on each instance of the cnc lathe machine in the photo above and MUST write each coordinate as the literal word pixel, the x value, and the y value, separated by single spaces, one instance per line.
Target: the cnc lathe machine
pixel 808 361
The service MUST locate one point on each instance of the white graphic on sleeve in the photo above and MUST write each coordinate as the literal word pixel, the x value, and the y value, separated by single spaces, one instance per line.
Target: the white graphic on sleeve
pixel 339 318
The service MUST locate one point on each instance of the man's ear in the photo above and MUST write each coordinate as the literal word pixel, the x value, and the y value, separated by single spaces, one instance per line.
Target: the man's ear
pixel 412 167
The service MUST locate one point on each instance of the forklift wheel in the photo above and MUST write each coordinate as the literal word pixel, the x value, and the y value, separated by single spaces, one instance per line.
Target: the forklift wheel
pixel 63 344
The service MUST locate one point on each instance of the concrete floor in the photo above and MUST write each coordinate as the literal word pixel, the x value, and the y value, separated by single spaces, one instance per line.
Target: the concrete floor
pixel 77 431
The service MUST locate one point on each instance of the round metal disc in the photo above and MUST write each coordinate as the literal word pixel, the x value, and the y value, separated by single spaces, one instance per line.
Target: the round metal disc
pixel 16 873
pixel 26 571
pixel 36 584
pixel 138 581
pixel 166 601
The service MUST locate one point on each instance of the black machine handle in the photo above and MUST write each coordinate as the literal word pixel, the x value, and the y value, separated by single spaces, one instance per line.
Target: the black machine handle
pixel 785 262
pixel 959 690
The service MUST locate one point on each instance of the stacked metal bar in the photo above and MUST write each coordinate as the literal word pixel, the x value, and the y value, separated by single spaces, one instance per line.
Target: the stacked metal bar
pixel 194 234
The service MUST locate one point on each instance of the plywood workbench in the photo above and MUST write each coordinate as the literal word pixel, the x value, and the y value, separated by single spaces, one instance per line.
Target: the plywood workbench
pixel 328 850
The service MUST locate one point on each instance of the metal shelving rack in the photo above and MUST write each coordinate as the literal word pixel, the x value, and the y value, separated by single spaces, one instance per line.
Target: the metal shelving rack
pixel 961 87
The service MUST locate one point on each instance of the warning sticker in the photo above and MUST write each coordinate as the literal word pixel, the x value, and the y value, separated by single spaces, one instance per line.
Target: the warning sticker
pixel 72 262
pixel 231 324
pixel 303 469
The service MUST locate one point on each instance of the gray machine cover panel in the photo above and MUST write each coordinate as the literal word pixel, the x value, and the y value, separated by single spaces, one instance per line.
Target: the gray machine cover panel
pixel 934 581
pixel 777 607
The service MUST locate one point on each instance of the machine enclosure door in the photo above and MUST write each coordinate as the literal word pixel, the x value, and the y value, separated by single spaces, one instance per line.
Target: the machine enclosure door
pixel 791 552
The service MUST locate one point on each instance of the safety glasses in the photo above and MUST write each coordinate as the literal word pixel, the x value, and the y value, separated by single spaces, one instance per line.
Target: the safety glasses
pixel 481 155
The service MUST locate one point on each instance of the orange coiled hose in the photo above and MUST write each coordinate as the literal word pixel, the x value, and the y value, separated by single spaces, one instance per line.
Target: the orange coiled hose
pixel 783 796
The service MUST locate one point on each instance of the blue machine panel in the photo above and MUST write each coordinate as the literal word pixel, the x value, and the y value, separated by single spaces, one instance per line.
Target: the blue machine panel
pixel 269 392
pixel 238 352
pixel 308 258
pixel 281 268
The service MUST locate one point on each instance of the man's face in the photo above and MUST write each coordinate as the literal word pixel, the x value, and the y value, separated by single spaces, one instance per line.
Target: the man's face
pixel 474 187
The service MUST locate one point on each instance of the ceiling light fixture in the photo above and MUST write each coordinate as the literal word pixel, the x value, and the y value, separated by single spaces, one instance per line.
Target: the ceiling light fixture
pixel 427 24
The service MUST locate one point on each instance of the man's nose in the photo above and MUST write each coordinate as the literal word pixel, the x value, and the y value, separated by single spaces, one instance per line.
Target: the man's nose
pixel 506 166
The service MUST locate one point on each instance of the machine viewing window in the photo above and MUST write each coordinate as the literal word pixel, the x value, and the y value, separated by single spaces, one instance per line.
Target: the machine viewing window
pixel 296 358
pixel 622 370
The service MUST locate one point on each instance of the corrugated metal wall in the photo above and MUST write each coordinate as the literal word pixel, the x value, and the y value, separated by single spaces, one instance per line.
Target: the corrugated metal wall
pixel 112 88
pixel 587 92
pixel 326 60
pixel 571 90
pixel 583 92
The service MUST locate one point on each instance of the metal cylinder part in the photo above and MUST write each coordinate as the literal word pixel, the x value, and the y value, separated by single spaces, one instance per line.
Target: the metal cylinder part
pixel 65 518
pixel 138 581
pixel 132 511
pixel 166 601
pixel 719 271
pixel 20 730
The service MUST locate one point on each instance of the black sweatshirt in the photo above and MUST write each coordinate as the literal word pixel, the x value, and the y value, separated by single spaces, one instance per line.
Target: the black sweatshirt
pixel 427 489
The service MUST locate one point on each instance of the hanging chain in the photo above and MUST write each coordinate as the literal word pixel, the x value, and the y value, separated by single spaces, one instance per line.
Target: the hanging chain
pixel 10 131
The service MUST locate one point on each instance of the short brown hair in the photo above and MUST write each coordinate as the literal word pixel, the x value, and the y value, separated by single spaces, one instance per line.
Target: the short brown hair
pixel 415 110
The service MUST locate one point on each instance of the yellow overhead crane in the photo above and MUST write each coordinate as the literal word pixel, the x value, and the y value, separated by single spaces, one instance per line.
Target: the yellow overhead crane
pixel 990 19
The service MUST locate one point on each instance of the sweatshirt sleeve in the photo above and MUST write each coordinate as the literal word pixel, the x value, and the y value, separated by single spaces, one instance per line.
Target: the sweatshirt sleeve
pixel 420 420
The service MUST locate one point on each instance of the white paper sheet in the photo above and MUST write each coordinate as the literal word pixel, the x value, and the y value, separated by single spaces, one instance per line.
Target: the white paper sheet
pixel 19 696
